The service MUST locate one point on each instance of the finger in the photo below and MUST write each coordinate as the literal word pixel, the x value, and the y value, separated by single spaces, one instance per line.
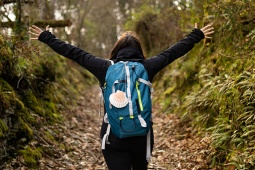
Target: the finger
pixel 208 37
pixel 47 28
pixel 34 30
pixel 209 28
pixel 33 38
pixel 37 28
pixel 36 34
pixel 196 25
pixel 206 27
pixel 208 33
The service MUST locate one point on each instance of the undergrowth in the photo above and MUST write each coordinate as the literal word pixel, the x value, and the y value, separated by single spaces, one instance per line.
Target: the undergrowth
pixel 220 100
pixel 35 89
pixel 213 85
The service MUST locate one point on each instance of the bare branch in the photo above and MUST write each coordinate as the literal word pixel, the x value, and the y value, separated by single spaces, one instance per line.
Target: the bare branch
pixel 14 1
pixel 6 16
pixel 41 23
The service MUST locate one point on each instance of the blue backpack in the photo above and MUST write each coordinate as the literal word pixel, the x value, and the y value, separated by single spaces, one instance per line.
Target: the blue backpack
pixel 127 100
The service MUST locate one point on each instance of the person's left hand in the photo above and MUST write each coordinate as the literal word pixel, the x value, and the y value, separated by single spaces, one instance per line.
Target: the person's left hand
pixel 207 30
pixel 36 31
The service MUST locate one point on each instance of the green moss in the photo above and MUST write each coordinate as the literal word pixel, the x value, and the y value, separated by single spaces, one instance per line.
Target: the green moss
pixel 3 128
pixel 7 94
pixel 26 116
pixel 51 106
pixel 19 104
pixel 5 51
pixel 49 136
pixel 52 113
pixel 169 90
pixel 32 102
pixel 8 61
pixel 1 40
pixel 31 156
pixel 45 108
pixel 25 130
pixel 5 86
pixel 5 56
pixel 62 146
pixel 31 86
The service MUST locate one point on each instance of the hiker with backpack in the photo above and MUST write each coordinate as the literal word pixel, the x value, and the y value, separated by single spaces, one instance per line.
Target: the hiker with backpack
pixel 126 131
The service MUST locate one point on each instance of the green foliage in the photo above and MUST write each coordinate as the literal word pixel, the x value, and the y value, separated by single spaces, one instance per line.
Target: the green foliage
pixel 3 128
pixel 31 156
pixel 223 105
pixel 34 87
pixel 25 130
pixel 232 132
pixel 143 24
pixel 147 22
pixel 213 85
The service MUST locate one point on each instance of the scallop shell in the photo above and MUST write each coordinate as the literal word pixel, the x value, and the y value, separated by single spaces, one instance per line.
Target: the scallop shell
pixel 118 99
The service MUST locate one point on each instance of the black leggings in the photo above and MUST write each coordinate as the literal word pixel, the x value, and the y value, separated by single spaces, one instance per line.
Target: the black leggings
pixel 124 155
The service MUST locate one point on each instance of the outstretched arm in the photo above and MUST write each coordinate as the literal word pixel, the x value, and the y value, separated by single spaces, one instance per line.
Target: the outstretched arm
pixel 95 65
pixel 158 62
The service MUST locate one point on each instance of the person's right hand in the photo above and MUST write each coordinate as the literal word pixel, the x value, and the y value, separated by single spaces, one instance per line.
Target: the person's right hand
pixel 36 31
pixel 207 30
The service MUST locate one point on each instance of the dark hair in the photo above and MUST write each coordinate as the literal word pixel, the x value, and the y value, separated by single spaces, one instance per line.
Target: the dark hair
pixel 127 39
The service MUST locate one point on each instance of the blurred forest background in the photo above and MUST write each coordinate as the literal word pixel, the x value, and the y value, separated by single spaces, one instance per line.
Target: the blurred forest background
pixel 212 86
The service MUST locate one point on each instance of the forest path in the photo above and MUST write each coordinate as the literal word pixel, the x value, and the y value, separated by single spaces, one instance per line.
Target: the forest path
pixel 177 147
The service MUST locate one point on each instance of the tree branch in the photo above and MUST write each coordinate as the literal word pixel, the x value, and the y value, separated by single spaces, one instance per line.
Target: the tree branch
pixel 41 23
pixel 248 21
pixel 14 1
pixel 4 15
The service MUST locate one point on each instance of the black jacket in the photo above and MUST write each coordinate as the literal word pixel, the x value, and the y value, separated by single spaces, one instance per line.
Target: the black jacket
pixel 98 66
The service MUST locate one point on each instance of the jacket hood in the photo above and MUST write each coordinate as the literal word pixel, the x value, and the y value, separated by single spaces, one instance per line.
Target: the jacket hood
pixel 129 54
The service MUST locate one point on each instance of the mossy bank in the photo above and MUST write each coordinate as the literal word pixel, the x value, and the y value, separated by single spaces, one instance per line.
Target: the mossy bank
pixel 35 89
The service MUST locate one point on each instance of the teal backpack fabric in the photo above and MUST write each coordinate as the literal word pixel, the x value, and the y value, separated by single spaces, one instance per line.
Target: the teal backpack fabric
pixel 127 97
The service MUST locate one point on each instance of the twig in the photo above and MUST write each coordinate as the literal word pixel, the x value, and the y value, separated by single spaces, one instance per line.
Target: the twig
pixel 59 164
pixel 42 139
pixel 93 156
pixel 225 55
pixel 6 16
pixel 10 58
pixel 4 149
pixel 19 81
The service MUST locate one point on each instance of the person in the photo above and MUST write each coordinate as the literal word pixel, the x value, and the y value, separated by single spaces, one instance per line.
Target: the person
pixel 128 153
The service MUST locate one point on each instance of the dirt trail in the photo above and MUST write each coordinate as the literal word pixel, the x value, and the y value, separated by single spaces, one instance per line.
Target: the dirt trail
pixel 78 146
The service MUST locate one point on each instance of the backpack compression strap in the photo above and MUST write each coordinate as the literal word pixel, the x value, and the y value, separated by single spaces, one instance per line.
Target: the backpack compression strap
pixel 106 135
pixel 148 147
pixel 147 83
pixel 129 92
